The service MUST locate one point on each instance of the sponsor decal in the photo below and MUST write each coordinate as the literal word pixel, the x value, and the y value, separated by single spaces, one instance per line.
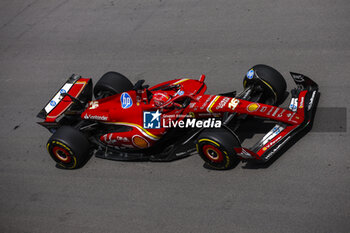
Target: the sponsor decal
pixel 93 104
pixel 275 112
pixel 272 133
pixel 269 155
pixel 222 103
pixel 123 139
pixel 192 105
pixel 140 141
pixel 293 104
pixel 301 105
pixel 57 98
pixel 125 100
pixel 250 74
pixel 253 107
pixel 107 138
pixel 291 116
pixel 276 130
pixel 206 102
pixel 191 114
pixel 179 92
pixel 53 103
pixel 274 150
pixel 151 120
pixel 139 128
pixel 281 113
pixel 263 109
pixel 209 114
pixel 311 100
pixel 233 104
pixel 269 112
pixel 62 91
pixel 273 142
pixel 95 117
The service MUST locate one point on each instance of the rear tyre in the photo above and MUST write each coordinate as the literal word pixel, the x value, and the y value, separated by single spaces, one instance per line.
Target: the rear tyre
pixel 68 147
pixel 270 80
pixel 216 148
pixel 111 83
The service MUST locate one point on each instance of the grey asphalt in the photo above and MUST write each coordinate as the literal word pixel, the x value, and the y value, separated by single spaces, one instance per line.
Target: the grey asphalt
pixel 43 42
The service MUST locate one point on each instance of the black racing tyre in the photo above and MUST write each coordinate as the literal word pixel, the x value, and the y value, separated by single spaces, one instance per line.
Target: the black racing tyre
pixel 271 81
pixel 216 148
pixel 68 147
pixel 111 83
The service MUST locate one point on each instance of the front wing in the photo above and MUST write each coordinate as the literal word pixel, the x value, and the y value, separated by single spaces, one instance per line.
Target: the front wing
pixel 303 103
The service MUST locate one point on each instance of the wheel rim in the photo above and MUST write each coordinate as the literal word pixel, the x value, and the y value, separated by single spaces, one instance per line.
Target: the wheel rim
pixel 61 154
pixel 212 153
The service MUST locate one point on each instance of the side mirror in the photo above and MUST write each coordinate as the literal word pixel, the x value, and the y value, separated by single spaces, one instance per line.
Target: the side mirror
pixel 138 85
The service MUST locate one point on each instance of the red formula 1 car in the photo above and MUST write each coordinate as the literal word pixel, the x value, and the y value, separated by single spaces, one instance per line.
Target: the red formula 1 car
pixel 172 119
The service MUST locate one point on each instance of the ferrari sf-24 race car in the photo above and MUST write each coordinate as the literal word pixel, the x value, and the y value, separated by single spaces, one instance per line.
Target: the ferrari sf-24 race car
pixel 173 119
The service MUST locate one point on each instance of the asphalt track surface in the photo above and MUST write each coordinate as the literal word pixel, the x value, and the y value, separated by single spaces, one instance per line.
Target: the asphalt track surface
pixel 42 42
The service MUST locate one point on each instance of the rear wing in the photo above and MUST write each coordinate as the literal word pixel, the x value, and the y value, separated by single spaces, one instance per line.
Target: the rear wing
pixel 75 89
pixel 304 102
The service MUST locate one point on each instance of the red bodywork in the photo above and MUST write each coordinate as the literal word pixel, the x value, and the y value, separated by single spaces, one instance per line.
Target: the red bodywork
pixel 112 111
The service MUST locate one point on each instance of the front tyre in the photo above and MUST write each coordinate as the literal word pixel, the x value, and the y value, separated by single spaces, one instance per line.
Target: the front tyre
pixel 216 148
pixel 68 147
pixel 271 82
